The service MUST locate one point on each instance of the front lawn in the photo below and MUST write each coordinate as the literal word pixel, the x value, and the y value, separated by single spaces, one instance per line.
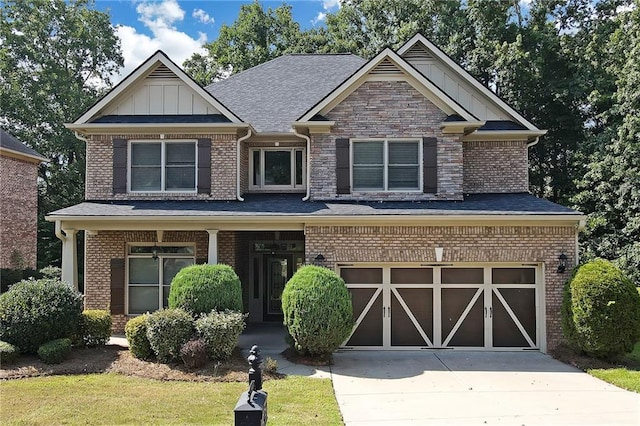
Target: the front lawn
pixel 117 399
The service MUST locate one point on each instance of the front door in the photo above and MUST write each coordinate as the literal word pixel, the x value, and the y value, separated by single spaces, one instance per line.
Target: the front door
pixel 278 270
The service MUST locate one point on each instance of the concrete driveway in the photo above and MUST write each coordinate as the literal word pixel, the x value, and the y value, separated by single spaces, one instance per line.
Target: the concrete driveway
pixel 451 388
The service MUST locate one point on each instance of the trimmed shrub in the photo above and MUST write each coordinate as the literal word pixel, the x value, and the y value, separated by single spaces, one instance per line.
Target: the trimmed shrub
pixel 34 312
pixel 167 331
pixel 194 353
pixel 220 331
pixel 55 351
pixel 136 331
pixel 8 353
pixel 201 289
pixel 601 310
pixel 95 327
pixel 317 310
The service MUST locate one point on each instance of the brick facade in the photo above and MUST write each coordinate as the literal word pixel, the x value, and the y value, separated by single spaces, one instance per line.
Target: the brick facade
pixel 19 213
pixel 99 180
pixel 483 244
pixel 107 245
pixel 386 109
pixel 491 167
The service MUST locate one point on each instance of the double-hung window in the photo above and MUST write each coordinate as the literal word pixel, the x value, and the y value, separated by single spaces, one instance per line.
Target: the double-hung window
pixel 157 166
pixel 277 168
pixel 386 165
pixel 150 272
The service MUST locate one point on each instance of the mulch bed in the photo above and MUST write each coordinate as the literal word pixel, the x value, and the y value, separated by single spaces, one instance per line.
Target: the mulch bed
pixel 583 362
pixel 296 357
pixel 116 359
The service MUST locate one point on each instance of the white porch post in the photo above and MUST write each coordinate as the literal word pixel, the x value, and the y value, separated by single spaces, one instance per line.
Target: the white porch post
pixel 69 255
pixel 213 246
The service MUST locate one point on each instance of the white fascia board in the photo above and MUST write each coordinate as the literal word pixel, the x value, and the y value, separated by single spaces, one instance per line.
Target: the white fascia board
pixel 435 50
pixel 155 128
pixel 353 82
pixel 503 135
pixel 140 73
pixel 23 156
pixel 291 222
pixel 460 126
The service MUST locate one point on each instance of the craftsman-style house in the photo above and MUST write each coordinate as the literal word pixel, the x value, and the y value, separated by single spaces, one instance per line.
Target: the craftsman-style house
pixel 402 173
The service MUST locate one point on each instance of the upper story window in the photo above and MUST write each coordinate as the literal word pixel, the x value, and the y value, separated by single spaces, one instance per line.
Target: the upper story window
pixel 277 168
pixel 162 166
pixel 386 165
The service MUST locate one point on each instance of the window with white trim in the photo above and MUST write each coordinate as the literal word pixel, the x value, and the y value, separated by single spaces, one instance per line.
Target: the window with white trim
pixel 150 270
pixel 159 166
pixel 277 168
pixel 386 165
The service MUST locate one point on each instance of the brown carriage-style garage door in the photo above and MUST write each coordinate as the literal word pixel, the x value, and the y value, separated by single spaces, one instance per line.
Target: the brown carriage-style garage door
pixel 443 307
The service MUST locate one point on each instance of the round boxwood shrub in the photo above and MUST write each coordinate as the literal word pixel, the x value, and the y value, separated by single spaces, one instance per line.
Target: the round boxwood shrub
pixel 95 327
pixel 200 289
pixel 601 310
pixel 317 310
pixel 136 332
pixel 55 351
pixel 220 332
pixel 34 312
pixel 167 331
pixel 8 353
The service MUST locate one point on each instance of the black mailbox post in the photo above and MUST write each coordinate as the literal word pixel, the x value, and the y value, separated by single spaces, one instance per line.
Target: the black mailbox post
pixel 251 409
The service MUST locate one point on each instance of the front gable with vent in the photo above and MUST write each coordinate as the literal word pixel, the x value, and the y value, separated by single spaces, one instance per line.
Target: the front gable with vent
pixel 157 94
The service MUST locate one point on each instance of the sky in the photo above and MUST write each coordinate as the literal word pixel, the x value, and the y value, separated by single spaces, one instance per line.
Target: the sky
pixel 181 27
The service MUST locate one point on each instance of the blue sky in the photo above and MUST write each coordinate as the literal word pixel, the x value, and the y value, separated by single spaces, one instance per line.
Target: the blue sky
pixel 181 27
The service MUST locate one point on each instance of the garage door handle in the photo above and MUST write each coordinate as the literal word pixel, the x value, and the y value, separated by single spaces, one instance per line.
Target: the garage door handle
pixel 384 312
pixel 485 311
pixel 491 312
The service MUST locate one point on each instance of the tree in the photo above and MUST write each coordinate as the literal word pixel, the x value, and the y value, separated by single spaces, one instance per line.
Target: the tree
pixel 56 58
pixel 610 190
pixel 257 36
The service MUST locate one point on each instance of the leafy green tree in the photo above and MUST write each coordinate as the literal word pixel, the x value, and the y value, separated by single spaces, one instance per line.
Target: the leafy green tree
pixel 56 58
pixel 610 189
pixel 256 36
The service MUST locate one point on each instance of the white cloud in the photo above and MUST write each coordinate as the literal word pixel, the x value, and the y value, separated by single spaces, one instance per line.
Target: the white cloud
pixel 321 16
pixel 160 18
pixel 202 16
pixel 330 4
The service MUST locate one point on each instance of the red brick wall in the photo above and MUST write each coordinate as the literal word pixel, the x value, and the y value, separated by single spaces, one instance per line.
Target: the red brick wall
pixel 18 213
pixel 99 180
pixel 539 244
pixel 500 166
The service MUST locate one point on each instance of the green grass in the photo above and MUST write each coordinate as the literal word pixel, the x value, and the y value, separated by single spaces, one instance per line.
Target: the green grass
pixel 624 377
pixel 115 399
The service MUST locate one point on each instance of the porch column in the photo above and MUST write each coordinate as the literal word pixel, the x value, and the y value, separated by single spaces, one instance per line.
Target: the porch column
pixel 69 255
pixel 213 246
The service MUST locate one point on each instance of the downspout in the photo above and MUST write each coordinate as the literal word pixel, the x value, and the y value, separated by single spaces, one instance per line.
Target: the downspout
pixel 238 153
pixel 535 141
pixel 308 139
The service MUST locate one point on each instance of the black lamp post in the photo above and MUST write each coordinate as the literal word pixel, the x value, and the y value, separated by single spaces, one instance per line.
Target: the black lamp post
pixel 562 263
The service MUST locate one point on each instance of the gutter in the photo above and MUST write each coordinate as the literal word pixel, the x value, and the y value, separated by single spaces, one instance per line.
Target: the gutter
pixel 308 139
pixel 535 141
pixel 238 151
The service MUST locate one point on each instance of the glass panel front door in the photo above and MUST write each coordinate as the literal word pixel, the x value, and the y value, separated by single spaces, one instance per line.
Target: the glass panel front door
pixel 277 277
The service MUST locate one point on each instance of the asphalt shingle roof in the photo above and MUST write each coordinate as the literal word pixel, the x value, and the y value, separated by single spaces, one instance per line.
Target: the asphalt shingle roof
pixel 272 95
pixel 8 141
pixel 292 205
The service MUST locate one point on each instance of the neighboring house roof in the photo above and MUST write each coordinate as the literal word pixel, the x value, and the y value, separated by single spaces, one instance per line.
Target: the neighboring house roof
pixel 291 205
pixel 10 145
pixel 272 95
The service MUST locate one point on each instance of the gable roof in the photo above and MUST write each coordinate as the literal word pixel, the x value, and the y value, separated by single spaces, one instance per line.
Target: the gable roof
pixel 440 55
pixel 387 60
pixel 10 145
pixel 272 95
pixel 147 67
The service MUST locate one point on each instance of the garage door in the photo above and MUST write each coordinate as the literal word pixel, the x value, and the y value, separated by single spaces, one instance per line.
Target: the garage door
pixel 472 307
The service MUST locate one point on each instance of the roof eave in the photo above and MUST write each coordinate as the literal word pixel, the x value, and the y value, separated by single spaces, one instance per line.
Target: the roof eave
pixel 23 156
pixel 155 128
pixel 503 135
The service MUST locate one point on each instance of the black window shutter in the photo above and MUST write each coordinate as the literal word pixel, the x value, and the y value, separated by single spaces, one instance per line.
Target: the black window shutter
pixel 117 286
pixel 430 164
pixel 119 166
pixel 343 166
pixel 204 166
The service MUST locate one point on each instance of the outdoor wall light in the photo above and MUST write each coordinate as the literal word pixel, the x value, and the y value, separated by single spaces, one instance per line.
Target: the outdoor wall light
pixel 154 252
pixel 562 263
pixel 439 253
pixel 319 259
